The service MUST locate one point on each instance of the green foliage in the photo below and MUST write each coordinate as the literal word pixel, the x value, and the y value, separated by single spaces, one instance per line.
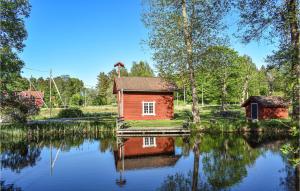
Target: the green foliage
pixel 71 89
pixel 12 35
pixel 280 23
pixel 292 149
pixel 70 113
pixel 103 86
pixel 141 69
pixel 17 108
pixel 13 31
pixel 76 99
pixel 10 68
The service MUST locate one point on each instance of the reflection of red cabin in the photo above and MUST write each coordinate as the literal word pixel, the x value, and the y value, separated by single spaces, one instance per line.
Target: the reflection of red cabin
pixel 38 96
pixel 266 107
pixel 144 98
pixel 145 152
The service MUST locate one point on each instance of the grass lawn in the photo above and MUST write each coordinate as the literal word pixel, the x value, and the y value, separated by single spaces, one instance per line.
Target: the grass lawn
pixel 155 123
pixel 88 111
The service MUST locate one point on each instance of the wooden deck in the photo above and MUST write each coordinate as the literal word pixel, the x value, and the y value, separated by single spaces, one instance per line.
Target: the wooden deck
pixel 136 131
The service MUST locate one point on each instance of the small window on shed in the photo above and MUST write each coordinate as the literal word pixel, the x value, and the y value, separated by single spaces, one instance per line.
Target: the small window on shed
pixel 149 142
pixel 148 108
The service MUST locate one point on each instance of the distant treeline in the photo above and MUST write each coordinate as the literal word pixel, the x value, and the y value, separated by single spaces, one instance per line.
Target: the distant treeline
pixel 218 82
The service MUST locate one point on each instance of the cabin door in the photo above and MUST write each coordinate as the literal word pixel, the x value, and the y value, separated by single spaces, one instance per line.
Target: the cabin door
pixel 254 111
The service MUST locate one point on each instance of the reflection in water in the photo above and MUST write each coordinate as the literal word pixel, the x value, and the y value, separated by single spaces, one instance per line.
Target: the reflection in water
pixel 197 162
pixel 8 187
pixel 136 153
pixel 19 155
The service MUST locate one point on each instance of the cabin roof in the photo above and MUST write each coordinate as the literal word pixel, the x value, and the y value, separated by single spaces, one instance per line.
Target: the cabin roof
pixel 35 94
pixel 267 101
pixel 143 84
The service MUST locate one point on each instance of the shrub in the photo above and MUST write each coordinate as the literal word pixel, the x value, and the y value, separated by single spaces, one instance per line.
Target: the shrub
pixel 70 112
pixel 17 108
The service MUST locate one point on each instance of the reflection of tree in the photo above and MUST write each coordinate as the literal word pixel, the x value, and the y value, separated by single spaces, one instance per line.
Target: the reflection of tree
pixel 8 187
pixel 225 162
pixel 19 152
pixel 196 164
pixel 225 159
pixel 19 156
pixel 292 179
pixel 182 182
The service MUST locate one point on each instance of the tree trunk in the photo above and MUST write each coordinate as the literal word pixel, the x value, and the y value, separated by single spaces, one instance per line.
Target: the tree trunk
pixel 224 92
pixel 295 42
pixel 245 89
pixel 189 50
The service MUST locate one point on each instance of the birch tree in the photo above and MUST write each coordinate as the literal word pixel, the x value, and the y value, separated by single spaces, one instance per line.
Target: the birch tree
pixel 178 32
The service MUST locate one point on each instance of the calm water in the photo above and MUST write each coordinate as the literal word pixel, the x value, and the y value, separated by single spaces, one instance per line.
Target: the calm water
pixel 105 162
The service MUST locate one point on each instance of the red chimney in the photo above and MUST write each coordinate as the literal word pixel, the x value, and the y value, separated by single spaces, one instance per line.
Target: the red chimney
pixel 119 65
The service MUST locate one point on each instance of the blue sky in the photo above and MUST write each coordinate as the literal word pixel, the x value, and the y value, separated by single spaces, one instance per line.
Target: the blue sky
pixel 82 38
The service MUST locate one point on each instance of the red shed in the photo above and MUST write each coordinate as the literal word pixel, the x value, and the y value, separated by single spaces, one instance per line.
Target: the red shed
pixel 144 98
pixel 38 96
pixel 266 107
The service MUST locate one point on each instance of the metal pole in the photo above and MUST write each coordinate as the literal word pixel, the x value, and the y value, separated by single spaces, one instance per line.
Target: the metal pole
pixel 50 99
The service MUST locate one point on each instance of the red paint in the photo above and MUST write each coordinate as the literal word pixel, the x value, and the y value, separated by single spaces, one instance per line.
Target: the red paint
pixel 134 147
pixel 133 105
pixel 36 95
pixel 268 112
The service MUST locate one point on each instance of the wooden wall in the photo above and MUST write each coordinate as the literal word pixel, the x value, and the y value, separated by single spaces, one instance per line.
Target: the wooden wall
pixel 133 147
pixel 268 112
pixel 164 107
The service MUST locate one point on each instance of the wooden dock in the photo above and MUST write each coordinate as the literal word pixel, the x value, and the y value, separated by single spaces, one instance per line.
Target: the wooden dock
pixel 159 131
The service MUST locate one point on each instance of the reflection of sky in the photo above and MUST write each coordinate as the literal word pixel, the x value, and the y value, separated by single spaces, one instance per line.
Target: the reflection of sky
pixel 85 168
pixel 264 174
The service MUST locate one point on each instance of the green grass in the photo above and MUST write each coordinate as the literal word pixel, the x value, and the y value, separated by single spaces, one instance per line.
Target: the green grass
pixel 88 111
pixel 210 120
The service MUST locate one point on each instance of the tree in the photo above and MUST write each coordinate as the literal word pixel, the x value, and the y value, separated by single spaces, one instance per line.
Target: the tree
pixel 247 72
pixel 179 32
pixel 12 35
pixel 141 69
pixel 268 19
pixel 102 86
pixel 222 63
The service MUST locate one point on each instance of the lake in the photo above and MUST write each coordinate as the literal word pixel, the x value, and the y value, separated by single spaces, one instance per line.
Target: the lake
pixel 102 161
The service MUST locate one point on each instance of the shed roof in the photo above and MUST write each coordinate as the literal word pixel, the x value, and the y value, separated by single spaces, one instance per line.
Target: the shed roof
pixel 36 94
pixel 267 101
pixel 143 84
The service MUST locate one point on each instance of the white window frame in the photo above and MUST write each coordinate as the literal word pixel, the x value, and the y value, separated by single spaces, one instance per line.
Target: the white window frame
pixel 143 103
pixel 256 110
pixel 149 144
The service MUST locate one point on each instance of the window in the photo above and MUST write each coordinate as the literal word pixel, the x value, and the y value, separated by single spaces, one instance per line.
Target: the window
pixel 148 108
pixel 149 142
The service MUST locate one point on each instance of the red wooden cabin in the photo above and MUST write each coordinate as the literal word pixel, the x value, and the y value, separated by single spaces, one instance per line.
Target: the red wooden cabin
pixel 144 98
pixel 38 96
pixel 266 107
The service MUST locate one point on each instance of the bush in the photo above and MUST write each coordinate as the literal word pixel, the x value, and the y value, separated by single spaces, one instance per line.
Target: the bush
pixel 16 108
pixel 70 112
